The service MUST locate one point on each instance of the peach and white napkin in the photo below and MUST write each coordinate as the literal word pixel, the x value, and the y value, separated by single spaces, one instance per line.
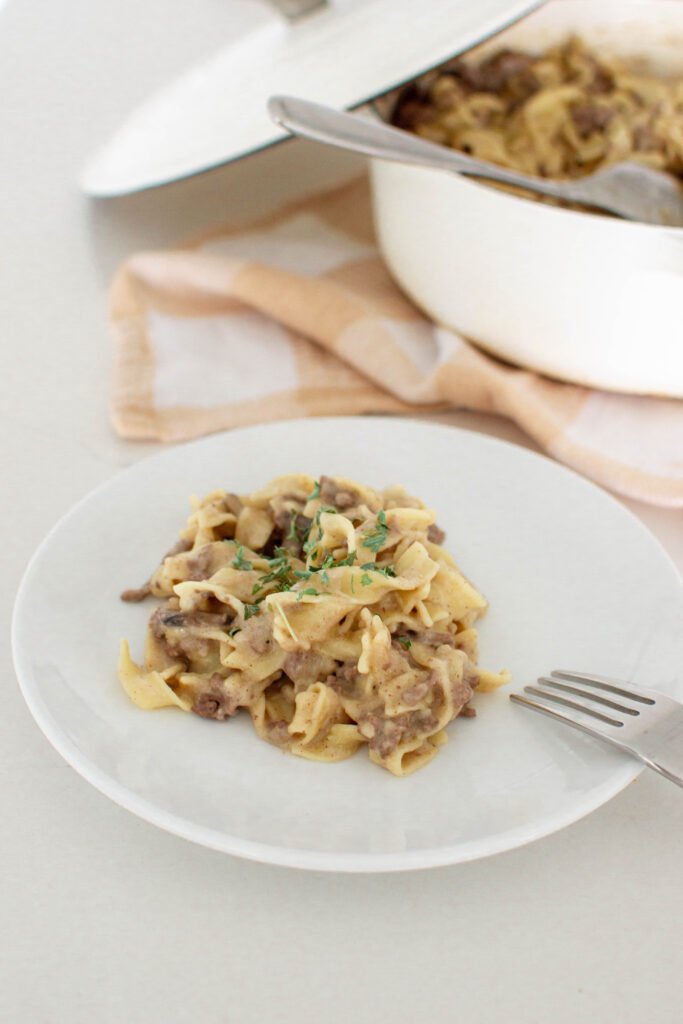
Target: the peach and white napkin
pixel 297 315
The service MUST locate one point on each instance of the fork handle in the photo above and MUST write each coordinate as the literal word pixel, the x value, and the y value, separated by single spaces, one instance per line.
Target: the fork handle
pixel 664 750
pixel 659 765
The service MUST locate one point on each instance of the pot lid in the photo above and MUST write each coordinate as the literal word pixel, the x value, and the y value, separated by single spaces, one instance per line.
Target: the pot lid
pixel 340 53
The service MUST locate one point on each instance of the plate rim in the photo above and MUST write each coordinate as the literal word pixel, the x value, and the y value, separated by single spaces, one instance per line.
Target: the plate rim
pixel 291 857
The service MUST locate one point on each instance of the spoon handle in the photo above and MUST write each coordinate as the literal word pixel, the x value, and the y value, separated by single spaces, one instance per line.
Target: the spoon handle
pixel 348 131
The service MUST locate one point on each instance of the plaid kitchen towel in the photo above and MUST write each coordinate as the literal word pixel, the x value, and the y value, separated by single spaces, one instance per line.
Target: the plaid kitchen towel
pixel 297 315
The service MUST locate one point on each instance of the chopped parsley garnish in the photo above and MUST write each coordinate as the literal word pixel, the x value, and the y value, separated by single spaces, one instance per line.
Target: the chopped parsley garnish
pixel 365 580
pixel 405 642
pixel 349 560
pixel 375 538
pixel 250 609
pixel 309 544
pixel 235 629
pixel 239 561
pixel 384 570
pixel 315 493
pixel 324 508
pixel 292 527
pixel 280 573
pixel 280 577
pixel 284 575
pixel 279 555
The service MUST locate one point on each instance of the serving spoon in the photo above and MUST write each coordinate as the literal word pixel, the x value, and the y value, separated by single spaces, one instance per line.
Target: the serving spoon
pixel 629 190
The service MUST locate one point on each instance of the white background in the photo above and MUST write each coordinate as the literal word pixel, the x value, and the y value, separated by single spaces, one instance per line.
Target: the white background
pixel 106 919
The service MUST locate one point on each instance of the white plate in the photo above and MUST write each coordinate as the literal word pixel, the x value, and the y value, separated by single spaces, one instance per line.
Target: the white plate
pixel 573 579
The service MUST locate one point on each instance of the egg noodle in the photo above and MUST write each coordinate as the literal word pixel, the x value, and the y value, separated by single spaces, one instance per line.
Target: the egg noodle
pixel 561 114
pixel 327 609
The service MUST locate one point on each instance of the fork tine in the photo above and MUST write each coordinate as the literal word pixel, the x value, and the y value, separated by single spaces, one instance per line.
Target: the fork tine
pixel 604 683
pixel 595 731
pixel 587 695
pixel 556 699
pixel 654 739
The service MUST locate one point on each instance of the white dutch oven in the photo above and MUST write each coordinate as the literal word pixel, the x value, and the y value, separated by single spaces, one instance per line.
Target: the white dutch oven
pixel 577 296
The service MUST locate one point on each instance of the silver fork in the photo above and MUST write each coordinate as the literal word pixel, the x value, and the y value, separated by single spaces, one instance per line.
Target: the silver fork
pixel 630 190
pixel 641 722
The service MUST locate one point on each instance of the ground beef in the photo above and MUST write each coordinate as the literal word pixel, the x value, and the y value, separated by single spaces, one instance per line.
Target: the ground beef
pixel 199 566
pixel 644 139
pixel 462 689
pixel 134 596
pixel 384 734
pixel 589 118
pixel 303 524
pixel 435 534
pixel 303 667
pixel 433 638
pixel 507 70
pixel 603 80
pixel 214 702
pixel 416 693
pixel 344 679
pixel 470 677
pixel 412 111
pixel 258 632
pixel 283 527
pixel 340 498
pixel 283 519
pixel 278 733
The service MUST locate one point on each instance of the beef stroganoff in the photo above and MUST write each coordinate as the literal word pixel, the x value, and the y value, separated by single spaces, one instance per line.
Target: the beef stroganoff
pixel 564 113
pixel 326 609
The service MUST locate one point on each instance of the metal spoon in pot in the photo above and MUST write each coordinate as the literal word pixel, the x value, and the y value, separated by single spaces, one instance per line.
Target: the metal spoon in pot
pixel 630 190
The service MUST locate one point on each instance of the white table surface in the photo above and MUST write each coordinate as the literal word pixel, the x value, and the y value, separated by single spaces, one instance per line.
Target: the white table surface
pixel 106 919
